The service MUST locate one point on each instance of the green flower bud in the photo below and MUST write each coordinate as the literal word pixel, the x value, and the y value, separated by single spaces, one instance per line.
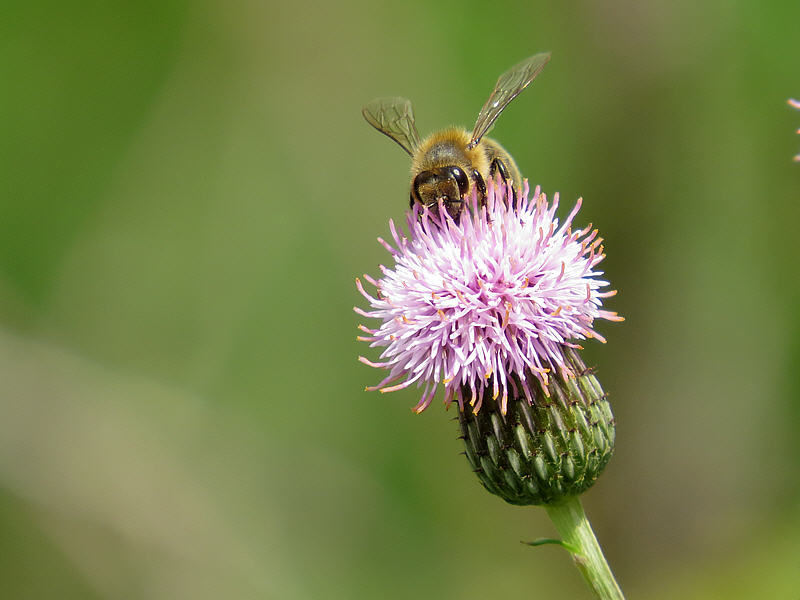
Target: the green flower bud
pixel 541 451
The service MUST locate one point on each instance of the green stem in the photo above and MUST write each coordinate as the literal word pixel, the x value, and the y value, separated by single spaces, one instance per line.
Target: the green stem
pixel 573 526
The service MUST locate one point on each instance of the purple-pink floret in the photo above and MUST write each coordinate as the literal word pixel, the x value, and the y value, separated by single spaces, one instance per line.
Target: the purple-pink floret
pixel 484 302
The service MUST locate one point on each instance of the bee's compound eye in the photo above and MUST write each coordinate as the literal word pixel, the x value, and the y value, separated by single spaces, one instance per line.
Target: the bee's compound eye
pixel 423 181
pixel 461 180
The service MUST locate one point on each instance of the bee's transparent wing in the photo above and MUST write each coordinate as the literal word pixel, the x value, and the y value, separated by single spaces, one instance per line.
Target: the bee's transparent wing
pixel 508 86
pixel 393 117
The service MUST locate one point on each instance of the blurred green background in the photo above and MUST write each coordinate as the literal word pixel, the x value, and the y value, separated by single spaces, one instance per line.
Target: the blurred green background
pixel 187 190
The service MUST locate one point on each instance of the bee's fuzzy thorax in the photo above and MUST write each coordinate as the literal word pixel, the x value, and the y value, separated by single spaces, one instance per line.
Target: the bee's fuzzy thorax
pixel 449 147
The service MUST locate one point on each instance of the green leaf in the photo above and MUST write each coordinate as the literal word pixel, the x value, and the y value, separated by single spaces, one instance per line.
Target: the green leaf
pixel 542 541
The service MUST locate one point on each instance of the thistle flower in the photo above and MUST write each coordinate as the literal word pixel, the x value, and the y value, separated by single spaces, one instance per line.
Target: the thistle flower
pixel 490 305
pixel 795 104
pixel 485 305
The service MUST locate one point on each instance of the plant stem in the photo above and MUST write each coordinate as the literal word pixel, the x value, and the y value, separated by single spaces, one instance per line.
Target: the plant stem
pixel 573 526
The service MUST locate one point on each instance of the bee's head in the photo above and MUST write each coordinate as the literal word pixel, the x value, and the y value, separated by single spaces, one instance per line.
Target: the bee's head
pixel 449 184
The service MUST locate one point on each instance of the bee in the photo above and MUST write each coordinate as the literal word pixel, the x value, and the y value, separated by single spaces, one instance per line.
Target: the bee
pixel 450 164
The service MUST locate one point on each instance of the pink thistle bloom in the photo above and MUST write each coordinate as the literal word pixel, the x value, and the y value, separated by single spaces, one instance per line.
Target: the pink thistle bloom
pixel 795 104
pixel 486 301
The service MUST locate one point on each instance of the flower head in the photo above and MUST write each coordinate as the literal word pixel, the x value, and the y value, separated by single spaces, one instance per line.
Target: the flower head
pixel 485 301
pixel 795 104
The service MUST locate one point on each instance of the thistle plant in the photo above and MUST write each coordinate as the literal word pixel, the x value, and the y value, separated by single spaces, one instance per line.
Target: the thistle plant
pixel 491 305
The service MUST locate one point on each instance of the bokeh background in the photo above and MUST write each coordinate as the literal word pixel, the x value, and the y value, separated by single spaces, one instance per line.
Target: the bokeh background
pixel 187 191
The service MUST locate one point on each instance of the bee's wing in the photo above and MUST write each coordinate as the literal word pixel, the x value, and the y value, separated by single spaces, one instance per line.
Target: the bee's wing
pixel 508 86
pixel 393 117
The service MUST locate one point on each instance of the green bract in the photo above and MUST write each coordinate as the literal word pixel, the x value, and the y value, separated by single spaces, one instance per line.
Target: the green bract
pixel 547 449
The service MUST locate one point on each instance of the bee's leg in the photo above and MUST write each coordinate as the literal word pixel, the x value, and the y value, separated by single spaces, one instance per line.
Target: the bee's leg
pixel 498 166
pixel 480 187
